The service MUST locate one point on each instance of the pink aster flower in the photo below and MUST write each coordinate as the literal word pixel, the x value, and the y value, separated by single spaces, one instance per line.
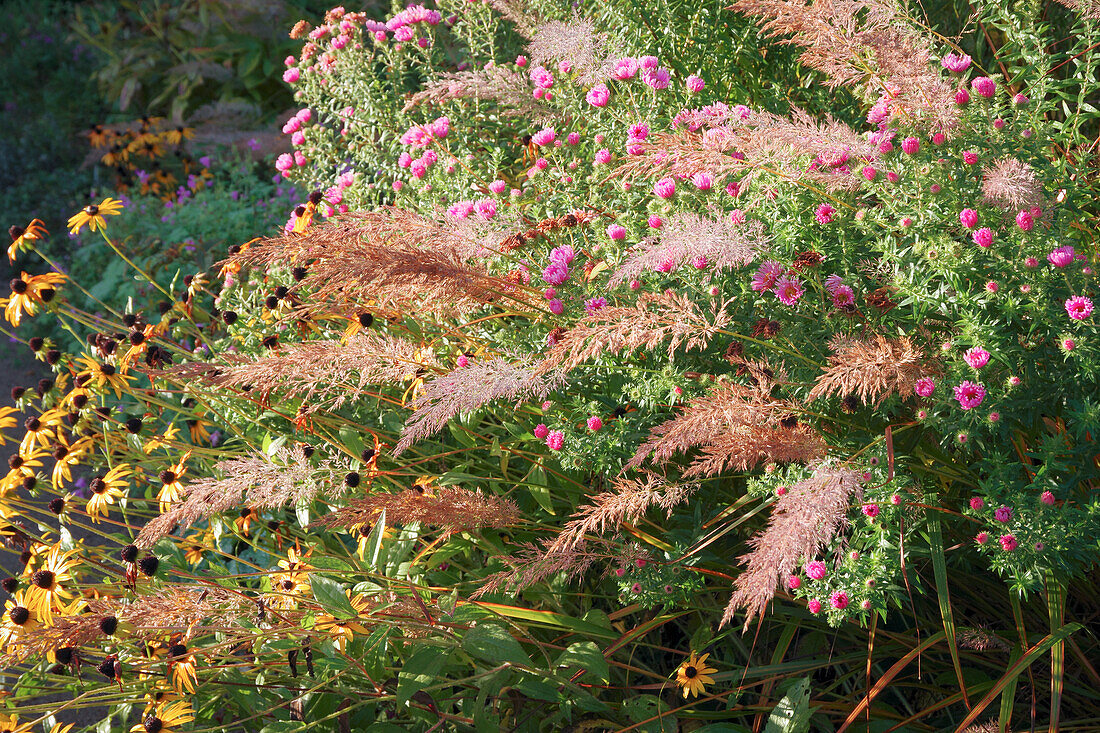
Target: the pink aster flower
pixel 656 78
pixel 665 188
pixel 924 386
pixel 969 394
pixel 984 237
pixel 957 63
pixel 603 155
pixel 1079 307
pixel 814 605
pixel 616 231
pixel 556 307
pixel 869 172
pixel 766 276
pixel 624 69
pixel 555 440
pixel 563 254
pixel 545 136
pixel 789 290
pixel 655 222
pixel 594 304
pixel 702 181
pixel 794 582
pixel 1008 543
pixel 1002 514
pixel 521 61
pixel 968 218
pixel 594 423
pixel 839 600
pixel 832 282
pixel 1025 221
pixel 815 570
pixel 695 84
pixel 1069 344
pixel 976 357
pixel 843 296
pixel 1047 498
pixel 1062 256
pixel 871 510
pixel 984 86
pixel 292 75
pixel 555 273
pixel 962 97
pixel 969 157
pixel 910 145
pixel 541 431
pixel 486 208
pixel 824 214
pixel 981 538
pixel 976 503
pixel 700 262
pixel 598 96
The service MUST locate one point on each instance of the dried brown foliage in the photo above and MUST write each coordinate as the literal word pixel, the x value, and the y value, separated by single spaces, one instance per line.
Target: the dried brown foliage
pixel 1087 8
pixel 872 368
pixel 395 259
pixel 762 141
pixel 503 85
pixel 866 45
pixel 686 236
pixel 734 426
pixel 1012 185
pixel 980 639
pixel 802 522
pixel 659 319
pixel 450 507
pixel 516 240
pixel 260 481
pixel 628 501
pixel 325 373
pixel 467 388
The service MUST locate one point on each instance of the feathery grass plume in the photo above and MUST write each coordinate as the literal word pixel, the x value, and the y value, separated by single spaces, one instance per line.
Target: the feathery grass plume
pixel 468 388
pixel 657 318
pixel 171 608
pixel 759 141
pixel 1012 185
pixel 399 259
pixel 325 373
pixel 530 564
pixel 452 508
pixel 525 19
pixel 687 235
pixel 866 45
pixel 260 481
pixel 980 639
pixel 735 426
pixel 802 522
pixel 576 42
pixel 874 368
pixel 515 240
pixel 1087 8
pixel 493 83
pixel 628 501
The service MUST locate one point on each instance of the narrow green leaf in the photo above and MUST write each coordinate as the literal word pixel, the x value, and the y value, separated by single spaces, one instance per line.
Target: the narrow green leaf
pixel 943 594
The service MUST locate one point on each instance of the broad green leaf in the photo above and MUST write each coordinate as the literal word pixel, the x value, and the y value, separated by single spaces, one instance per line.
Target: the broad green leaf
pixel 792 713
pixel 587 656
pixel 491 643
pixel 419 671
pixel 330 594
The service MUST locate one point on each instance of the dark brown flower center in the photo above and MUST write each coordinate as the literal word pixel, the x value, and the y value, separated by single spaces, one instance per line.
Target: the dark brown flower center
pixel 167 477
pixel 97 485
pixel 43 579
pixel 19 615
pixel 691 672
pixel 91 209
pixel 18 286
pixel 153 724
pixel 32 424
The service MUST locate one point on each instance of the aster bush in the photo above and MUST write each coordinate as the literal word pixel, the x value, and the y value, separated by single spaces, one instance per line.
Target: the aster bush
pixel 600 383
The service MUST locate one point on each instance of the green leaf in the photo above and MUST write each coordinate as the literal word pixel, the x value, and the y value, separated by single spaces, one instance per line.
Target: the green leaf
pixel 420 671
pixel 792 713
pixel 490 643
pixel 939 566
pixel 649 712
pixel 330 594
pixel 587 656
pixel 374 541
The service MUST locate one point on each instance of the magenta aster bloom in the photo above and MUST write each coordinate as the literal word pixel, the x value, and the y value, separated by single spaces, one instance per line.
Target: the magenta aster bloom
pixel 957 63
pixel 833 282
pixel 541 431
pixel 702 181
pixel 976 357
pixel 1003 514
pixel 839 600
pixel 545 136
pixel 1062 256
pixel 665 188
pixel 984 86
pixel 695 84
pixel 766 275
pixel 816 570
pixel 594 423
pixel 1025 221
pixel 824 214
pixel 814 606
pixel 1079 307
pixel 598 96
pixel 1047 498
pixel 968 218
pixel 789 290
pixel 871 510
pixel 594 304
pixel 981 538
pixel 555 440
pixel 1008 543
pixel 925 386
pixel 910 145
pixel 976 503
pixel 616 231
pixel 843 296
pixel 794 582
pixel 969 394
pixel 983 237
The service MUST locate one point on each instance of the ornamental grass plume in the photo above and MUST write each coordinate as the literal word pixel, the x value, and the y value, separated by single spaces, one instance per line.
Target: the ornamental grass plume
pixel 686 236
pixel 451 508
pixel 1012 185
pixel 491 83
pixel 872 368
pixel 802 522
pixel 576 42
pixel 669 319
pixel 736 427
